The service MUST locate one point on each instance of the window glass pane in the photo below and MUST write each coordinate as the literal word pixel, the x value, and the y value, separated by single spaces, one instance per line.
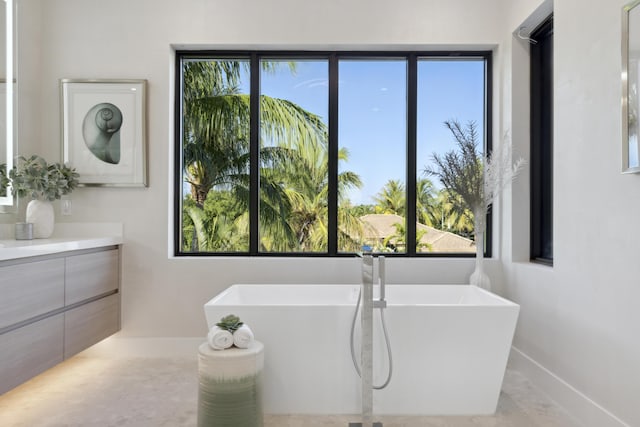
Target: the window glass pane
pixel 541 144
pixel 450 93
pixel 215 163
pixel 372 165
pixel 291 173
pixel 293 155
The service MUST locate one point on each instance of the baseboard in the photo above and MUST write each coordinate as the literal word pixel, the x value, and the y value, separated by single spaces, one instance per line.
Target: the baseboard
pixel 580 406
pixel 126 347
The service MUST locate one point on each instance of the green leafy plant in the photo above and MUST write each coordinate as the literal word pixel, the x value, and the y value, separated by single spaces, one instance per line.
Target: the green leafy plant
pixel 231 323
pixel 4 180
pixel 35 178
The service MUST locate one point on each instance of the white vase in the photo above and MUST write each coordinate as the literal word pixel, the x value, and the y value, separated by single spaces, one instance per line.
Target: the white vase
pixel 40 214
pixel 479 277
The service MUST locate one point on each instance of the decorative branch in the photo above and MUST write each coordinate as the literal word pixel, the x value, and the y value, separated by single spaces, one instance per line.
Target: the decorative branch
pixel 499 171
pixel 477 179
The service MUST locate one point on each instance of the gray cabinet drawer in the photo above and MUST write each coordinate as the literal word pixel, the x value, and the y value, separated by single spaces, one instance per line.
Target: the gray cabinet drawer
pixel 89 275
pixel 30 289
pixel 90 323
pixel 30 350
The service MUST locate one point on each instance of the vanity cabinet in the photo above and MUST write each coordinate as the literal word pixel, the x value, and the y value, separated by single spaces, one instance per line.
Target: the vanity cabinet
pixel 89 275
pixel 54 306
pixel 89 323
pixel 29 290
pixel 29 350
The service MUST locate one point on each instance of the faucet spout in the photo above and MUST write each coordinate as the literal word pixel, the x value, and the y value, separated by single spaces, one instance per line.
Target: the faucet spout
pixel 381 303
pixel 368 278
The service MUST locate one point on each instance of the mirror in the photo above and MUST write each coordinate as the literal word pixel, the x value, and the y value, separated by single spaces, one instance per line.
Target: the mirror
pixel 630 98
pixel 7 91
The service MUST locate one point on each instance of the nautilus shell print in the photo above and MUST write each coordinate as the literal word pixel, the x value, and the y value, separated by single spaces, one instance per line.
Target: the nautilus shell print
pixel 101 132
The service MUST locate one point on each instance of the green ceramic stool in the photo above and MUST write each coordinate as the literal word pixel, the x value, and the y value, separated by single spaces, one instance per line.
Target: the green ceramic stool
pixel 230 393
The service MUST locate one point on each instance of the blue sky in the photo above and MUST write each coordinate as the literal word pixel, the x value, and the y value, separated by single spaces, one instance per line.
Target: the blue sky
pixel 372 110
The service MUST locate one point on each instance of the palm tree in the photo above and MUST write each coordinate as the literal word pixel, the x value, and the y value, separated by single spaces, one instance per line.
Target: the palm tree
pixel 216 141
pixel 221 225
pixel 350 227
pixel 444 216
pixel 305 179
pixel 298 166
pixel 293 159
pixel 216 138
pixel 218 233
pixel 391 199
pixel 397 241
pixel 425 201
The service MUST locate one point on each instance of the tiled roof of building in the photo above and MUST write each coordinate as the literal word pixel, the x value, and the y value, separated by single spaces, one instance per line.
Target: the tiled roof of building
pixel 379 226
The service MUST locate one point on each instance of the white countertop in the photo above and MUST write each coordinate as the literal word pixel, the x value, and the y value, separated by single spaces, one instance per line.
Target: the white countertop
pixel 66 237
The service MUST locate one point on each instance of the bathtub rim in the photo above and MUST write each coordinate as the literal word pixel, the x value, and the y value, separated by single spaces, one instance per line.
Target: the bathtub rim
pixel 497 301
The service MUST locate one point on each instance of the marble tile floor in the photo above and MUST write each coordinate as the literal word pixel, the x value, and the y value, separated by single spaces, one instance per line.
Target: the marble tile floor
pixel 154 392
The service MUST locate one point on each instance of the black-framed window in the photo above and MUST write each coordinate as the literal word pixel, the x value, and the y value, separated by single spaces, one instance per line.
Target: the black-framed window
pixel 541 54
pixel 320 153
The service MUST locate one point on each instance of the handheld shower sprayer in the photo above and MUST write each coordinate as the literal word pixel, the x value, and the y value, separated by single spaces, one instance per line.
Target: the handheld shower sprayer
pixel 381 303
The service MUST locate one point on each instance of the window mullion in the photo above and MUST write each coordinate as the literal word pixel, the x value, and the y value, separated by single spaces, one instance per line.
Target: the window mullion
pixel 254 153
pixel 412 108
pixel 488 145
pixel 332 202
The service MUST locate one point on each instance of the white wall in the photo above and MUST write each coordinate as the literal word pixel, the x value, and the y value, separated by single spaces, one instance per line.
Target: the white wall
pixel 133 39
pixel 578 320
pixel 579 324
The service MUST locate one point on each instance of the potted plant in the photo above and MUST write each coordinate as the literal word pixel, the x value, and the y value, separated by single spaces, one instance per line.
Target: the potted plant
pixel 43 182
pixel 473 182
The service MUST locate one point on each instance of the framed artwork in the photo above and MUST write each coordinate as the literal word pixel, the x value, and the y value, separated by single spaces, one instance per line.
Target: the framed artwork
pixel 104 131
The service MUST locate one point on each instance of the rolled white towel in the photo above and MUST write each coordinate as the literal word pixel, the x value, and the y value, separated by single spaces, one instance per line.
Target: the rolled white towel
pixel 243 337
pixel 219 338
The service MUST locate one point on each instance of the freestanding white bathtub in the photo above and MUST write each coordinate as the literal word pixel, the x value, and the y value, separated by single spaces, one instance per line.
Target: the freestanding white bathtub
pixel 450 347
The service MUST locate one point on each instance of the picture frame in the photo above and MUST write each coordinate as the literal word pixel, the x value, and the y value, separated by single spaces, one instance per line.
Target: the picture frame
pixel 104 131
pixel 630 87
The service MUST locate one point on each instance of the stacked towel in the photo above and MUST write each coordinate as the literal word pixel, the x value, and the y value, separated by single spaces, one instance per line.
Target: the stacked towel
pixel 219 338
pixel 243 337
